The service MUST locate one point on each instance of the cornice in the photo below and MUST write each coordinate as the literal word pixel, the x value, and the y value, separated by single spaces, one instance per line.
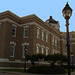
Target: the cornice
pixel 72 39
pixel 9 20
pixel 9 13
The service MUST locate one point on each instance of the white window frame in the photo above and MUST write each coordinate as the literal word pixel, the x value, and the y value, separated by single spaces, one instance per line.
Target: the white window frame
pixel 14 27
pixel 23 54
pixel 71 47
pixel 13 50
pixel 42 50
pixel 70 36
pixel 43 35
pixel 52 40
pixel 0 25
pixel 58 43
pixel 47 37
pixel 37 49
pixel 55 41
pixel 47 51
pixel 27 32
pixel 38 33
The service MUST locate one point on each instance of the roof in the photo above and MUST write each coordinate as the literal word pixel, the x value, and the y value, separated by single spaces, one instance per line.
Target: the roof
pixel 51 20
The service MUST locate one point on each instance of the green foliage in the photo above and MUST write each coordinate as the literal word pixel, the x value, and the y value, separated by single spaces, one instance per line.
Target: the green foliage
pixel 47 70
pixel 34 58
pixel 54 58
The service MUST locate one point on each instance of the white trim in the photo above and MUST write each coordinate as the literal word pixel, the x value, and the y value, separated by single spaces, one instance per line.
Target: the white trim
pixel 25 43
pixel 11 68
pixel 0 25
pixel 37 44
pixel 37 49
pixel 43 35
pixel 12 42
pixel 42 62
pixel 42 46
pixel 17 60
pixel 7 19
pixel 15 30
pixel 72 38
pixel 24 32
pixel 4 60
pixel 27 26
pixel 47 48
pixel 34 23
pixel 14 25
pixel 72 43
pixel 31 23
pixel 38 27
pixel 72 32
pixel 13 51
pixel 63 40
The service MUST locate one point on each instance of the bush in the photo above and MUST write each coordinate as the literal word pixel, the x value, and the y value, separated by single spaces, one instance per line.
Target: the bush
pixel 47 70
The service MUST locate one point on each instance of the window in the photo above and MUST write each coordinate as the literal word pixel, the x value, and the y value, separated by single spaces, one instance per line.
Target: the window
pixel 25 50
pixel 42 51
pixel 47 51
pixel 38 33
pixel 13 31
pixel 38 48
pixel 58 43
pixel 46 37
pixel 42 35
pixel 71 47
pixel 12 50
pixel 53 40
pixel 64 45
pixel 70 36
pixel 0 25
pixel 26 32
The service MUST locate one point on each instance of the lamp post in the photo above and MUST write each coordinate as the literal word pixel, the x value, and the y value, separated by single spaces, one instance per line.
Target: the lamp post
pixel 25 49
pixel 67 12
pixel 72 61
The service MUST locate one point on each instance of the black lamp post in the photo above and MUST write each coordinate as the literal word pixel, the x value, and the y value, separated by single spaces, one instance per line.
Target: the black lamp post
pixel 72 61
pixel 25 49
pixel 67 12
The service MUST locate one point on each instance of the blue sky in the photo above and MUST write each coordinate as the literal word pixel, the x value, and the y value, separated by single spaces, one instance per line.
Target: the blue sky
pixel 42 8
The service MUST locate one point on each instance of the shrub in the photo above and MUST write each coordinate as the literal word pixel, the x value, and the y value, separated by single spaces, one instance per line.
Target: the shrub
pixel 47 70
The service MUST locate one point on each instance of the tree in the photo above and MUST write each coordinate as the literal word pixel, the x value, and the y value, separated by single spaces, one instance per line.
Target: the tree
pixel 39 58
pixel 34 58
pixel 52 59
pixel 48 58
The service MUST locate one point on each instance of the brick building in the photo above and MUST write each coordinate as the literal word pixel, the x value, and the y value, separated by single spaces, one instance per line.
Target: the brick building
pixel 38 36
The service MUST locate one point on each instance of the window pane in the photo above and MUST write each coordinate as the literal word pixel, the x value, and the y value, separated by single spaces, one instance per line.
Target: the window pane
pixel 26 32
pixel 12 47
pixel 13 31
pixel 46 37
pixel 46 51
pixel 38 33
pixel 42 35
pixel 25 48
pixel 53 40
pixel 42 51
pixel 37 49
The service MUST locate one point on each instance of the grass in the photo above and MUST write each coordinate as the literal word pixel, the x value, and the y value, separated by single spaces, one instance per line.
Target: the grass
pixel 13 70
pixel 22 70
pixel 71 70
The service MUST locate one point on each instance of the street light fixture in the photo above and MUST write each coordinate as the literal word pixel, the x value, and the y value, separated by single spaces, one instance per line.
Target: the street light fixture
pixel 25 51
pixel 67 12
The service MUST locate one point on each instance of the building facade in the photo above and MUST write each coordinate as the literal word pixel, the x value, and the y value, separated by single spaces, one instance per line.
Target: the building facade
pixel 31 32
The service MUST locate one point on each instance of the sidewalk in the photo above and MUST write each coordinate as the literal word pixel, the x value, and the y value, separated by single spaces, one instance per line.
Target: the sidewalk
pixel 18 73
